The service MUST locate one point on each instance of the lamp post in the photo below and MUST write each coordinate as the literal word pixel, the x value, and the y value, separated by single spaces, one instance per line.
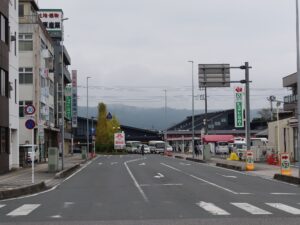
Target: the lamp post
pixel 87 116
pixel 62 96
pixel 93 132
pixel 193 127
pixel 298 81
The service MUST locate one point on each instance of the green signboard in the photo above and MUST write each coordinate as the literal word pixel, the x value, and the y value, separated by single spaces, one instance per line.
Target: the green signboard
pixel 68 107
pixel 239 107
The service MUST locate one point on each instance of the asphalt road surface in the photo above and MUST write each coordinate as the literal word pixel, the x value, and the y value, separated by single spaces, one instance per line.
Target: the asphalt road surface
pixel 154 189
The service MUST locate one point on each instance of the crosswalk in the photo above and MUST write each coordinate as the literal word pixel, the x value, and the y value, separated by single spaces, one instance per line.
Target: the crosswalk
pixel 213 209
pixel 267 208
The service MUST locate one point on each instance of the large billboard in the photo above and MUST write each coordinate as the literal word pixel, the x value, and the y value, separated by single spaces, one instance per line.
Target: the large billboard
pixel 51 19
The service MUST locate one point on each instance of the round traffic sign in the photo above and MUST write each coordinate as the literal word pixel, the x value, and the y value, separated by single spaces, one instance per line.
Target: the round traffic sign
pixel 30 124
pixel 29 110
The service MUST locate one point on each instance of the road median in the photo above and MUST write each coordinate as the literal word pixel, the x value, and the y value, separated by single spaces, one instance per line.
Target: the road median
pixel 66 172
pixel 288 179
pixel 233 165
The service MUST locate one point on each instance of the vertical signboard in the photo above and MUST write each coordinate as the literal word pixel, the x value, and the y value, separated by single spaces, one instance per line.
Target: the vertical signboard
pixel 239 107
pixel 119 141
pixel 249 160
pixel 285 164
pixel 68 94
pixel 74 98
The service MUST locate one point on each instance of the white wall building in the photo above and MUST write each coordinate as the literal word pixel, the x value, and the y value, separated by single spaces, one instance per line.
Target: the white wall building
pixel 14 84
pixel 36 77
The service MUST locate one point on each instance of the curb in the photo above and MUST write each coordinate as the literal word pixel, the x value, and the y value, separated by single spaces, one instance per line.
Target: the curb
pixel 17 192
pixel 288 179
pixel 195 160
pixel 232 167
pixel 66 172
pixel 179 157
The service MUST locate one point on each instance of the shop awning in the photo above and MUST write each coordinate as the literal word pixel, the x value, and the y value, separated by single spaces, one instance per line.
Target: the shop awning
pixel 218 138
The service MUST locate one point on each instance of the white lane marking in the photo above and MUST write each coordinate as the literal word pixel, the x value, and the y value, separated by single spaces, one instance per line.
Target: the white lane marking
pixel 1 206
pixel 275 193
pixel 184 164
pixel 142 164
pixel 56 216
pixel 159 175
pixel 113 163
pixel 213 184
pixel 134 180
pixel 227 176
pixel 24 210
pixel 213 209
pixel 251 209
pixel 244 193
pixel 100 163
pixel 171 167
pixel 149 185
pixel 68 204
pixel 285 208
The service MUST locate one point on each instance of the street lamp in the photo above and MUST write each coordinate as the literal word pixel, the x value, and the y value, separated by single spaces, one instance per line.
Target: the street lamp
pixel 62 95
pixel 87 115
pixel 93 134
pixel 193 128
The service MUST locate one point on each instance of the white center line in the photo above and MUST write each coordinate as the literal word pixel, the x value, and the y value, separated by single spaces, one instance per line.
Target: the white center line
pixel 275 193
pixel 1 206
pixel 251 209
pixel 24 210
pixel 171 167
pixel 213 209
pixel 285 208
pixel 100 163
pixel 149 185
pixel 134 180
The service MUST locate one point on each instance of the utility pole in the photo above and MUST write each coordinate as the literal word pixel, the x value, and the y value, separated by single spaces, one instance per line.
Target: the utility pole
pixel 87 117
pixel 193 111
pixel 166 135
pixel 248 134
pixel 298 81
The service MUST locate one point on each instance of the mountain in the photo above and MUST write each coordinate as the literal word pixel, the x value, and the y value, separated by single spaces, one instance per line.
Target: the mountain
pixel 147 118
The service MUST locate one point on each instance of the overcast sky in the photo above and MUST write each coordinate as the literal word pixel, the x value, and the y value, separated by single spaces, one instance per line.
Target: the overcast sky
pixel 134 49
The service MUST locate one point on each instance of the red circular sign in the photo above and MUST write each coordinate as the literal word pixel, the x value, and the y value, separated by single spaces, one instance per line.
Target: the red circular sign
pixel 29 110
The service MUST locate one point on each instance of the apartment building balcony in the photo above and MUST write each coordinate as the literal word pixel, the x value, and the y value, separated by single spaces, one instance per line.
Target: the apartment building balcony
pixel 290 103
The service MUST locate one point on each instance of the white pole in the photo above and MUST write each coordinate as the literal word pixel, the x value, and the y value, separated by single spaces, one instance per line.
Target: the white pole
pixel 278 131
pixel 87 115
pixel 32 155
pixel 193 123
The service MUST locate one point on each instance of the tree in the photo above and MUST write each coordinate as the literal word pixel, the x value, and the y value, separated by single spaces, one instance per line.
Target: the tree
pixel 265 114
pixel 105 130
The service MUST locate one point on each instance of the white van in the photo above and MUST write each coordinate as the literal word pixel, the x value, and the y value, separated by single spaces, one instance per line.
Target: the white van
pixel 157 146
pixel 222 147
pixel 132 146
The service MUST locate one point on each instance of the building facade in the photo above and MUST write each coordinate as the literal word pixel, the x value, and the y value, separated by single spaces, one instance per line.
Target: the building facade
pixel 14 84
pixel 4 86
pixel 36 78
pixel 53 21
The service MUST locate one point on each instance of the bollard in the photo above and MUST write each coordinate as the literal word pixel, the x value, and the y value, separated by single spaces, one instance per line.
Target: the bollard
pixel 249 161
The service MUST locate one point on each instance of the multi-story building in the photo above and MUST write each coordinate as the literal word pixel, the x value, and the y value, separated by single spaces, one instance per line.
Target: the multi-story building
pixel 53 21
pixel 14 84
pixel 4 86
pixel 36 78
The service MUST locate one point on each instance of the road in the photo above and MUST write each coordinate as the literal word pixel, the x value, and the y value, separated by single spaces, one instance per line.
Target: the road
pixel 154 189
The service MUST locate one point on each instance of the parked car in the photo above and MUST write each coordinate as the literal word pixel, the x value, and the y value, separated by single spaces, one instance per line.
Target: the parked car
pixel 146 149
pixel 132 146
pixel 222 148
pixel 169 148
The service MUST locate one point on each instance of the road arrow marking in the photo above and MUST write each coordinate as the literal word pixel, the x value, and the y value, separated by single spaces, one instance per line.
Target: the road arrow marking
pixel 100 164
pixel 227 176
pixel 142 164
pixel 68 204
pixel 113 163
pixel 56 216
pixel 159 175
pixel 213 209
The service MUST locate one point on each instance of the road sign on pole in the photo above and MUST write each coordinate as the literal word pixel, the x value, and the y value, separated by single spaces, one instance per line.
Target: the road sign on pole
pixel 30 124
pixel 285 164
pixel 29 110
pixel 239 107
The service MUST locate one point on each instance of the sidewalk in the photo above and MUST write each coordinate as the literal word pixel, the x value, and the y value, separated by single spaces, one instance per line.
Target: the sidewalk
pixel 261 169
pixel 23 177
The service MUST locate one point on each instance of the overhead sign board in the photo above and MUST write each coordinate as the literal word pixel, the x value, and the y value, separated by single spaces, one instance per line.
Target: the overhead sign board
pixel 214 75
pixel 239 107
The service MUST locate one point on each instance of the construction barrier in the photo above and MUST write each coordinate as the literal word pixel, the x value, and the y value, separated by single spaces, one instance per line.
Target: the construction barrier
pixel 233 157
pixel 285 164
pixel 249 160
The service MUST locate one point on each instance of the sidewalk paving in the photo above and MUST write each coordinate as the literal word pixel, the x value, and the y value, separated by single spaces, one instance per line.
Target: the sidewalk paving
pixel 22 177
pixel 261 169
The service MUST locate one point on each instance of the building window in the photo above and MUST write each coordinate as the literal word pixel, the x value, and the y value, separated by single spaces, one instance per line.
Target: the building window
pixel 25 42
pixel 4 140
pixel 22 105
pixel 51 115
pixel 51 88
pixel 3 29
pixel 21 10
pixel 25 75
pixel 16 91
pixel 57 25
pixel 3 83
